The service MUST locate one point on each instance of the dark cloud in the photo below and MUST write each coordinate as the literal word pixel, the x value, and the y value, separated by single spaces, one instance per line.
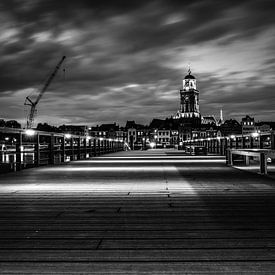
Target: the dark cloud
pixel 126 59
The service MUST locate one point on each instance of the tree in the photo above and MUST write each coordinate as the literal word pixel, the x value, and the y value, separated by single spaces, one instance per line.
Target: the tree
pixel 13 124
pixel 2 123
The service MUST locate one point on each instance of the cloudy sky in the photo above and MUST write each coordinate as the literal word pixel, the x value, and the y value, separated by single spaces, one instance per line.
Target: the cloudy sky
pixel 126 59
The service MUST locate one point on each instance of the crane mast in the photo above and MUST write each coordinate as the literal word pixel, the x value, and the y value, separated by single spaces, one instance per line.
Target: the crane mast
pixel 33 104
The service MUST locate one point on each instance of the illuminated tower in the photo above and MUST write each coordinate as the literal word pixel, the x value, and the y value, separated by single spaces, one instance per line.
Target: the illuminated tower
pixel 189 98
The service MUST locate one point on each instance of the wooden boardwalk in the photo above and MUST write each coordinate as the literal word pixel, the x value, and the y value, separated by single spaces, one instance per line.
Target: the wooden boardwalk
pixel 153 212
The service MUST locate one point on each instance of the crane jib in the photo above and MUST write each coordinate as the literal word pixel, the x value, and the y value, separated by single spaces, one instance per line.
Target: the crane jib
pixel 30 117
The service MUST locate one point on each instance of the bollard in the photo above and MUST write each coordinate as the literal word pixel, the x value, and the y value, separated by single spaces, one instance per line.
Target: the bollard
pixel 246 160
pixel 229 157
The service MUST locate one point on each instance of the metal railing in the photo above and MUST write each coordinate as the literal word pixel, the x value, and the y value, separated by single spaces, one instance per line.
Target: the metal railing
pixel 220 145
pixel 21 148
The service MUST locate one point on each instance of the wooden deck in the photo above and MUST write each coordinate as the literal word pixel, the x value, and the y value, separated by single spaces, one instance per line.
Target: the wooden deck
pixel 153 212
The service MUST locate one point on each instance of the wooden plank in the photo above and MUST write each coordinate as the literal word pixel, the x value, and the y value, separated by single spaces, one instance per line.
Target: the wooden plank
pixel 139 234
pixel 159 255
pixel 154 268
pixel 133 244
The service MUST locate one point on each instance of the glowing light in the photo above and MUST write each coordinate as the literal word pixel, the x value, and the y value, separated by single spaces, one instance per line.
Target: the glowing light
pixel 255 134
pixel 88 137
pixel 152 144
pixel 29 132
pixel 233 136
pixel 68 135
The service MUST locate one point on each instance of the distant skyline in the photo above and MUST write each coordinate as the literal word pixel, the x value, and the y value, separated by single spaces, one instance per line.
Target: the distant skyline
pixel 126 59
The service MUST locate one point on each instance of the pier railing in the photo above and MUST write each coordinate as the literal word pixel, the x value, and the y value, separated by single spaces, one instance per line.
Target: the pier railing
pixel 220 145
pixel 22 148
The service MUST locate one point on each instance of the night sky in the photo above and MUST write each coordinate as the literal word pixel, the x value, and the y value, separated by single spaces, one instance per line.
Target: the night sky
pixel 126 59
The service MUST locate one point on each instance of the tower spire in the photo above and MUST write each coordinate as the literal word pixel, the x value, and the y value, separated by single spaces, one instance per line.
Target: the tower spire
pixel 189 70
pixel 221 117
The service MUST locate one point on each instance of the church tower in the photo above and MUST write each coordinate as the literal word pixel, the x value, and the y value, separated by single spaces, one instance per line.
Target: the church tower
pixel 189 113
pixel 189 97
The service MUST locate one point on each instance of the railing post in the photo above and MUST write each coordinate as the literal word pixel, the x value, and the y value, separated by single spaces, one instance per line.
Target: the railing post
pixel 94 147
pixel 222 146
pixel 85 147
pixel 105 146
pixel 243 142
pixel 251 142
pixel 99 147
pixel 78 156
pixel 263 163
pixel 18 161
pixel 37 150
pixel 72 148
pixel 261 145
pixel 51 147
pixel 272 140
pixel 89 147
pixel 225 146
pixel 62 149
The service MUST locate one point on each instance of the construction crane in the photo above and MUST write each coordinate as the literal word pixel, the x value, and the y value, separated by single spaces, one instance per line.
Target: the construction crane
pixel 33 104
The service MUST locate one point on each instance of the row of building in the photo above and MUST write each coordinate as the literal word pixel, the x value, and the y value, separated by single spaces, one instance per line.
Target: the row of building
pixel 168 132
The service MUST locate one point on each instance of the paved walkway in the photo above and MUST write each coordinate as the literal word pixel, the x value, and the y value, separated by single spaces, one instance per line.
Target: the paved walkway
pixel 153 212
